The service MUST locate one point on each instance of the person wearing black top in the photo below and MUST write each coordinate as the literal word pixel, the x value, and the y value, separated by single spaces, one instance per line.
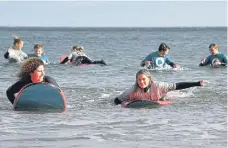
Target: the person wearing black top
pixel 31 71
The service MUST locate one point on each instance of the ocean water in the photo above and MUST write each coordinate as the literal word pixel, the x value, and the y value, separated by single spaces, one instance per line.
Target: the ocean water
pixel 196 118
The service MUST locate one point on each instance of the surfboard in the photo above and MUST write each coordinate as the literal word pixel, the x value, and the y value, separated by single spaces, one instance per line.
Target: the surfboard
pixel 64 56
pixel 40 96
pixel 145 104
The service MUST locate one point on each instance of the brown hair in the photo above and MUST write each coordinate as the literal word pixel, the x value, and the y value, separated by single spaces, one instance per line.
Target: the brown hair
pixel 78 48
pixel 17 40
pixel 29 66
pixel 37 46
pixel 213 45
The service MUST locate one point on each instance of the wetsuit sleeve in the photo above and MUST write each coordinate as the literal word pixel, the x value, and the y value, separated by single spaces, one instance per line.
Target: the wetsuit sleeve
pixel 12 90
pixel 50 80
pixel 169 62
pixel 65 60
pixel 46 60
pixel 123 97
pixel 25 56
pixel 6 55
pixel 184 85
pixel 207 62
pixel 163 88
pixel 148 58
pixel 224 60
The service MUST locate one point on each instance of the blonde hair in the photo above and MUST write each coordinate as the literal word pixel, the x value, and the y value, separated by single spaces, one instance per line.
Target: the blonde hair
pixel 213 45
pixel 77 48
pixel 80 48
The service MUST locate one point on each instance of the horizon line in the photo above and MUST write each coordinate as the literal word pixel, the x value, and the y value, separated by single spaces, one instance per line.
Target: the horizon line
pixel 112 26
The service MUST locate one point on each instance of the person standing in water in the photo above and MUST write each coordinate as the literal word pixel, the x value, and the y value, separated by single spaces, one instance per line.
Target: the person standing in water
pixel 216 58
pixel 39 52
pixel 15 54
pixel 31 71
pixel 145 88
pixel 77 57
pixel 159 58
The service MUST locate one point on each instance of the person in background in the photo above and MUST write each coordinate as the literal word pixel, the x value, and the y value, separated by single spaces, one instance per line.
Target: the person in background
pixel 31 71
pixel 15 54
pixel 39 52
pixel 77 57
pixel 159 58
pixel 145 88
pixel 216 59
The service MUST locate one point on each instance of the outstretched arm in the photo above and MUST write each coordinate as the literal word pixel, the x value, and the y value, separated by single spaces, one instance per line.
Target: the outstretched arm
pixel 184 85
pixel 148 58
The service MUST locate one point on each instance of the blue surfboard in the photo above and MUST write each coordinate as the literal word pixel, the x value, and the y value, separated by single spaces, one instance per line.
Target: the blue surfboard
pixel 39 96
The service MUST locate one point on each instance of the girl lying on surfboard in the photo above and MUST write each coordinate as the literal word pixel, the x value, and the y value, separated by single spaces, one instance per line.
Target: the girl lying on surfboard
pixel 147 89
pixel 78 57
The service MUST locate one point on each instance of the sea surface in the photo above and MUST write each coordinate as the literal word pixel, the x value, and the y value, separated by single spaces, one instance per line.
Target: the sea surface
pixel 197 118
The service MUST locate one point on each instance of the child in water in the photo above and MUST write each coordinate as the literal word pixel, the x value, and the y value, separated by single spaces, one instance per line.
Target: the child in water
pixel 216 58
pixel 77 57
pixel 15 54
pixel 39 52
pixel 159 58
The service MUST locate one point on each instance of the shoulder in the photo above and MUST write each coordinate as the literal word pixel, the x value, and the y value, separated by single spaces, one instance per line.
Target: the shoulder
pixel 222 54
pixel 48 78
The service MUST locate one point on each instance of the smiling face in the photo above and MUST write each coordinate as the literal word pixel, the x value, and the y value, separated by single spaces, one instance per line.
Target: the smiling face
pixel 164 52
pixel 213 50
pixel 38 74
pixel 38 52
pixel 143 81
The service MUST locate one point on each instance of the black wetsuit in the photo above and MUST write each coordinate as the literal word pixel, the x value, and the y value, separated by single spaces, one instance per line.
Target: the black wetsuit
pixel 16 87
pixel 82 60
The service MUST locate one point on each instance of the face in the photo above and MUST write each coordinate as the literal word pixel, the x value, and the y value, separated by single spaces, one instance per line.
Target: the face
pixel 38 52
pixel 143 81
pixel 164 52
pixel 38 74
pixel 213 51
pixel 20 45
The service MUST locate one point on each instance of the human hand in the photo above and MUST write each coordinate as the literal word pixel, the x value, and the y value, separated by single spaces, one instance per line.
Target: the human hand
pixel 203 60
pixel 176 66
pixel 147 63
pixel 203 82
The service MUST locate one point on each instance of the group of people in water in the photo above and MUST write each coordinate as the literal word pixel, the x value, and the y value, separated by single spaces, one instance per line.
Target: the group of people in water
pixel 32 70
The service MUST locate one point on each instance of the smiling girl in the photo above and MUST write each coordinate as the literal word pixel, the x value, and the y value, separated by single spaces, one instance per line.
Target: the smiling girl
pixel 147 89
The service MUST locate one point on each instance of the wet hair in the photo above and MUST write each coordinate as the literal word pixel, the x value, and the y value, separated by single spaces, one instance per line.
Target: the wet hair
pixel 213 45
pixel 37 46
pixel 28 67
pixel 75 48
pixel 80 48
pixel 163 47
pixel 142 71
pixel 137 90
pixel 17 40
